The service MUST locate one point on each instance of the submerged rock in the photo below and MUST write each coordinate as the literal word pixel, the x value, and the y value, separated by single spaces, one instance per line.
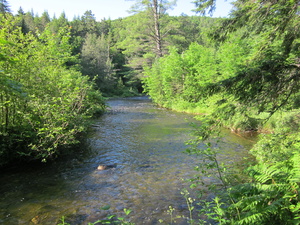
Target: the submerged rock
pixel 105 167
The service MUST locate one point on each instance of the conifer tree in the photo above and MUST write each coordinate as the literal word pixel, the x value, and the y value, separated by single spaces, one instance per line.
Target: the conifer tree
pixel 4 7
pixel 155 10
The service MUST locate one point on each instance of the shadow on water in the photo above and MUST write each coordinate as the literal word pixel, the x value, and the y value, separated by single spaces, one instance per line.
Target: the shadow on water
pixel 146 146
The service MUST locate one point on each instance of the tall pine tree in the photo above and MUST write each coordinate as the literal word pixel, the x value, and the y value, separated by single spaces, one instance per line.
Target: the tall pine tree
pixel 4 7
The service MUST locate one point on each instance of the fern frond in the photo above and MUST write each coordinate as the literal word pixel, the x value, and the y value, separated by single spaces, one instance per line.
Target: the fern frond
pixel 296 210
pixel 266 173
pixel 251 203
pixel 296 167
pixel 253 219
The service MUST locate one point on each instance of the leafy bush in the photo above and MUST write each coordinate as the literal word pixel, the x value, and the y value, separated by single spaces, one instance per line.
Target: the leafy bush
pixel 44 104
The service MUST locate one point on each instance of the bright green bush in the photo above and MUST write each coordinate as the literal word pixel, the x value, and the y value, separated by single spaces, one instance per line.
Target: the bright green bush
pixel 44 104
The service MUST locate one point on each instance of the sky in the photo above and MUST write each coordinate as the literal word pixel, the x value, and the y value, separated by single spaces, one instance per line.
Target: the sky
pixel 112 9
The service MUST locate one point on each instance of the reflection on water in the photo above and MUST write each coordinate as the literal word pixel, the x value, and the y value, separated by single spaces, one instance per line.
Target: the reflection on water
pixel 146 146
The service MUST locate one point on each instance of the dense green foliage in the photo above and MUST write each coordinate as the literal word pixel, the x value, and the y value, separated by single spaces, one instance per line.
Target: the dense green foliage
pixel 241 72
pixel 44 103
pixel 53 71
pixel 245 78
pixel 266 193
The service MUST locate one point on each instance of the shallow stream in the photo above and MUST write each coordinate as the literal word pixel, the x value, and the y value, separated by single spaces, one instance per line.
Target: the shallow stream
pixel 145 146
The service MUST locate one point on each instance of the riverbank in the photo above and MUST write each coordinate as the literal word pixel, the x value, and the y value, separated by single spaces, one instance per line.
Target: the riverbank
pixel 269 181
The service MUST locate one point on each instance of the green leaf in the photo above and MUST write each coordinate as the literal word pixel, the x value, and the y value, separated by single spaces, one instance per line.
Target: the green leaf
pixel 127 211
pixel 111 216
pixel 107 207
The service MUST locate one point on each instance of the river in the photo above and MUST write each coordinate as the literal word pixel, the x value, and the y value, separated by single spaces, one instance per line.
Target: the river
pixel 145 146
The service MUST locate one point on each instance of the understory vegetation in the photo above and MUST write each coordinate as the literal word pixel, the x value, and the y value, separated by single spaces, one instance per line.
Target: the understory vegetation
pixel 244 77
pixel 44 103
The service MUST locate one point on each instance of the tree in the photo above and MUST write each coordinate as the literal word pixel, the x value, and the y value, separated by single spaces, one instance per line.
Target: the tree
pixel 154 11
pixel 262 88
pixel 96 61
pixel 56 24
pixel 89 23
pixel 143 37
pixel 20 12
pixel 28 23
pixel 44 104
pixel 271 79
pixel 4 7
pixel 43 21
pixel 204 6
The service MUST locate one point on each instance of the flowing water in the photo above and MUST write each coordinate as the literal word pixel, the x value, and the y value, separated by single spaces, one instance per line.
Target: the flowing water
pixel 144 145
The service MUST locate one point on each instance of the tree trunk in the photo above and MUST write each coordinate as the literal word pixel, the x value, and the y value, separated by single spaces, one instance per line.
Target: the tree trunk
pixel 156 16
